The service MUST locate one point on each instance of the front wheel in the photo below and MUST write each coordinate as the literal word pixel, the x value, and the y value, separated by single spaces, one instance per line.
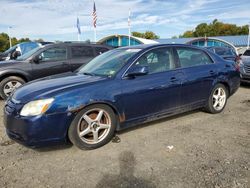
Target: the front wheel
pixel 9 85
pixel 217 99
pixel 93 127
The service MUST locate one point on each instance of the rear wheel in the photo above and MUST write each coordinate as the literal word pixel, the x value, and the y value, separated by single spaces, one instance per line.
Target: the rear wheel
pixel 93 127
pixel 217 99
pixel 9 85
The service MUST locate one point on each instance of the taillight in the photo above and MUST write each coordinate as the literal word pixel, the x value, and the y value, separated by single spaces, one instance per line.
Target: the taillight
pixel 237 67
pixel 237 59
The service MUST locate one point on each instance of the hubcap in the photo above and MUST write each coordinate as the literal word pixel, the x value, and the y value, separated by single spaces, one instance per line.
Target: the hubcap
pixel 219 99
pixel 94 126
pixel 11 86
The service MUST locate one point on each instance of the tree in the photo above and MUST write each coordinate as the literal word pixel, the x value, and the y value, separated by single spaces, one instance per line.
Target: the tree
pixel 5 43
pixel 146 35
pixel 216 28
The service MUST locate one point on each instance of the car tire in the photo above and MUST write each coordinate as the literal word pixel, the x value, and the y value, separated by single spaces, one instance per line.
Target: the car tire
pixel 10 84
pixel 217 99
pixel 93 127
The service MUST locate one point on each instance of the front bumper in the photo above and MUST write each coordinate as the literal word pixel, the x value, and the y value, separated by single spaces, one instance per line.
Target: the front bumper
pixel 245 78
pixel 37 131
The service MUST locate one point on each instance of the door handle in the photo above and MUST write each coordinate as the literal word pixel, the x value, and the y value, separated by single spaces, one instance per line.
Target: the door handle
pixel 173 79
pixel 212 72
pixel 227 66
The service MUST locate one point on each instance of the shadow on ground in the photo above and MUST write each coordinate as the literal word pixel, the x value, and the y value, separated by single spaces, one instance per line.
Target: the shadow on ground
pixel 125 178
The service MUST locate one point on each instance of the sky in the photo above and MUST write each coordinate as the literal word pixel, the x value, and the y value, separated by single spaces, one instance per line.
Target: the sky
pixel 54 20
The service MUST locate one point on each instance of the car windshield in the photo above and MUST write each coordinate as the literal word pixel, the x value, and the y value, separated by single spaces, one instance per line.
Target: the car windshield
pixel 109 63
pixel 10 49
pixel 28 54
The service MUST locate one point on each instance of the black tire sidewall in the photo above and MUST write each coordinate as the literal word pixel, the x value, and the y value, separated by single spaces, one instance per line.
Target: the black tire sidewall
pixel 210 107
pixel 6 80
pixel 73 134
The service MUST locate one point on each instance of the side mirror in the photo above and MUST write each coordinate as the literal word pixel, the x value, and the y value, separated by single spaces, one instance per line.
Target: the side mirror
pixel 15 54
pixel 37 59
pixel 137 71
pixel 240 54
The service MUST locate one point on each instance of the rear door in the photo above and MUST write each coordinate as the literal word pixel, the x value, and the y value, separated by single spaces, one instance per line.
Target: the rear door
pixel 51 61
pixel 199 74
pixel 80 55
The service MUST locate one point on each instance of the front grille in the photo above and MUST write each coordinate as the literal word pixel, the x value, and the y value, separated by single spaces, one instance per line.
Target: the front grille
pixel 10 106
pixel 247 68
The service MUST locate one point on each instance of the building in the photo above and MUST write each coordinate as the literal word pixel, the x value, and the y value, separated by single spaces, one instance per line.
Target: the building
pixel 238 42
pixel 123 40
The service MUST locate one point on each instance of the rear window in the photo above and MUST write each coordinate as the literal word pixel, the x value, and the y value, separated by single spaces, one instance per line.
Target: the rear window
pixel 81 51
pixel 224 51
pixel 247 53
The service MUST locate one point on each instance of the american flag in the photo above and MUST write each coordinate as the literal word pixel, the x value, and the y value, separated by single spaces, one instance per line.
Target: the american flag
pixel 94 16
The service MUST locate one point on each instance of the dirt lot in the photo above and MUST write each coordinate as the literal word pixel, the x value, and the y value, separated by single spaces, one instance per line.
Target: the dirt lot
pixel 190 150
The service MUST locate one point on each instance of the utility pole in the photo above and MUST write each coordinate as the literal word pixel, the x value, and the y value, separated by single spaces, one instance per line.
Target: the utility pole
pixel 9 35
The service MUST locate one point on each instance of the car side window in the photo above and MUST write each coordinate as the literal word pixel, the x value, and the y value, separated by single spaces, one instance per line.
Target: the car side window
pixel 100 50
pixel 53 54
pixel 157 60
pixel 192 57
pixel 81 51
pixel 247 53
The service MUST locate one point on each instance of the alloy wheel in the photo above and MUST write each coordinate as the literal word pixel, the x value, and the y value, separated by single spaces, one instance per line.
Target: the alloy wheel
pixel 94 126
pixel 10 87
pixel 219 98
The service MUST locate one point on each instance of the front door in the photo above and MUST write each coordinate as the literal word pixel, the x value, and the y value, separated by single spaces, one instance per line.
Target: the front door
pixel 51 61
pixel 156 92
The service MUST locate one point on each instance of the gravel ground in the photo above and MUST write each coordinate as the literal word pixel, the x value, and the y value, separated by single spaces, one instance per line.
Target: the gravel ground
pixel 195 149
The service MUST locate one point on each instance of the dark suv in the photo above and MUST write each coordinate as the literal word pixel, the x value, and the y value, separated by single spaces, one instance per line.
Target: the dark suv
pixel 45 61
pixel 245 67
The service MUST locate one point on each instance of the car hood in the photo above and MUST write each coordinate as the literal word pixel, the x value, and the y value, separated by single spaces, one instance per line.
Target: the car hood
pixel 8 63
pixel 50 86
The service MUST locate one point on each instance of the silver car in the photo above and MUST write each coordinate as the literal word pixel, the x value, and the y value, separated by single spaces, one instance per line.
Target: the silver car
pixel 245 66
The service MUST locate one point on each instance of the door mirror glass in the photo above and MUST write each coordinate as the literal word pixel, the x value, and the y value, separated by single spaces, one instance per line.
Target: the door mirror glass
pixel 137 70
pixel 37 59
pixel 16 54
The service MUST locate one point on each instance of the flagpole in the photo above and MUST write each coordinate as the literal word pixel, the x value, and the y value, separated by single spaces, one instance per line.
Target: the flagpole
pixel 95 34
pixel 129 28
pixel 248 40
pixel 9 36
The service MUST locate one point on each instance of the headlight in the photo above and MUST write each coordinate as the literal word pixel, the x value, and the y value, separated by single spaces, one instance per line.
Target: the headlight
pixel 37 107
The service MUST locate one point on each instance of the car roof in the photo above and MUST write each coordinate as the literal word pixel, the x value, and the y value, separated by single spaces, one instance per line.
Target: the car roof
pixel 145 46
pixel 76 44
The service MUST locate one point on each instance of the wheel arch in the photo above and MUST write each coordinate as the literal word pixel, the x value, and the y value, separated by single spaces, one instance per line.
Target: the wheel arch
pixel 115 110
pixel 17 74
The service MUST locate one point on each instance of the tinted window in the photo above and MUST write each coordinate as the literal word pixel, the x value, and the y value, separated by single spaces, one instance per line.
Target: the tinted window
pixel 224 51
pixel 100 50
pixel 191 57
pixel 81 51
pixel 247 53
pixel 54 54
pixel 157 60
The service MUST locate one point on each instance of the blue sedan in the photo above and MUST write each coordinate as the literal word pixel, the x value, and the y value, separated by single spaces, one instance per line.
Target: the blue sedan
pixel 119 89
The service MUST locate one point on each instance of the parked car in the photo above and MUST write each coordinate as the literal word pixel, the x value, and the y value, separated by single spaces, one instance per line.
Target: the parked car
pixel 225 52
pixel 245 66
pixel 20 49
pixel 116 90
pixel 45 61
